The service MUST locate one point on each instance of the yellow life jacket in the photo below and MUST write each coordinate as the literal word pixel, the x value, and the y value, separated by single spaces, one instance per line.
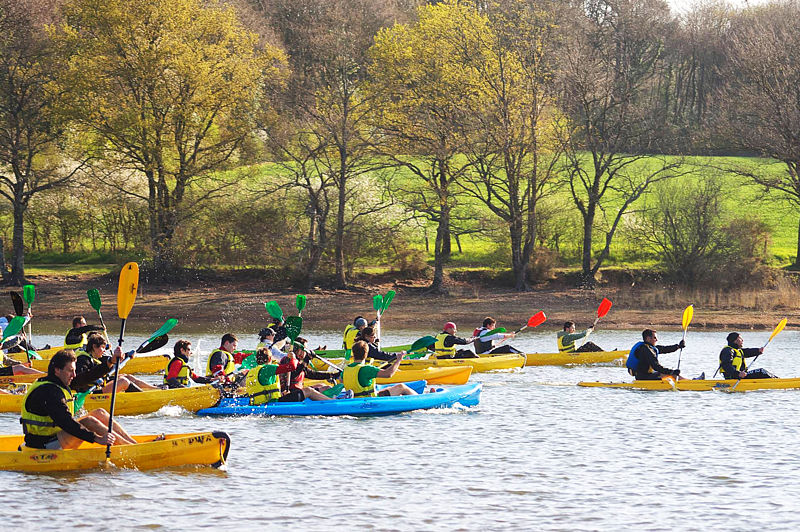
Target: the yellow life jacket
pixel 350 381
pixel 564 344
pixel 349 337
pixel 76 345
pixel 230 365
pixel 439 348
pixel 43 425
pixel 737 359
pixel 183 374
pixel 261 393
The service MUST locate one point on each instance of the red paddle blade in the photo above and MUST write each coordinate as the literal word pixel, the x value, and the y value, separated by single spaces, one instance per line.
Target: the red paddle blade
pixel 605 306
pixel 537 319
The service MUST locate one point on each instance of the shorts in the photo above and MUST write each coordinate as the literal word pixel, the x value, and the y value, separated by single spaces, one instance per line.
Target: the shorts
pixel 6 371
pixel 293 396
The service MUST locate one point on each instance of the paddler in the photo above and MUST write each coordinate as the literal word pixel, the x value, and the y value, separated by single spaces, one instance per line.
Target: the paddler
pixel 486 344
pixel 261 383
pixel 351 331
pixel 48 410
pixel 11 366
pixel 642 361
pixel 732 363
pixel 221 362
pixel 446 342
pixel 292 382
pixel 359 377
pixel 76 337
pixel 93 369
pixel 566 339
pixel 178 372
pixel 368 335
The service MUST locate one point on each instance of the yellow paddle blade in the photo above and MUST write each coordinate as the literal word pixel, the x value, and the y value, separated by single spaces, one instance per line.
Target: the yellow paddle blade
pixel 128 285
pixel 687 316
pixel 778 329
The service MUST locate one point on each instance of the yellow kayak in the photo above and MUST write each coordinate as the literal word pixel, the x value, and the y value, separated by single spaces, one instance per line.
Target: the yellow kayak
pixel 19 379
pixel 567 359
pixel 135 403
pixel 454 375
pixel 198 448
pixel 745 385
pixel 138 364
pixel 478 365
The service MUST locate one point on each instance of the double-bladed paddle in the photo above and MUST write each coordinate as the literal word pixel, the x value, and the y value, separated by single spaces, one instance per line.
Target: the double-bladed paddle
pixel 274 310
pixel 534 321
pixel 688 312
pixel 16 300
pixel 29 294
pixel 126 296
pixel 300 302
pixel 602 310
pixel 14 327
pixel 94 300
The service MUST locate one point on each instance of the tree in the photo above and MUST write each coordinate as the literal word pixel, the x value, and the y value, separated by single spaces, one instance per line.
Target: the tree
pixel 164 89
pixel 328 110
pixel 763 95
pixel 514 153
pixel 30 129
pixel 610 125
pixel 422 86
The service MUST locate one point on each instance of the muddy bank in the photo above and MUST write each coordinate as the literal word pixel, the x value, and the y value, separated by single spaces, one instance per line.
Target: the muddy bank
pixel 219 306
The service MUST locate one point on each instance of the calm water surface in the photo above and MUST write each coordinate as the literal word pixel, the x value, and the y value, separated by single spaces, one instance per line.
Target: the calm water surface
pixel 538 453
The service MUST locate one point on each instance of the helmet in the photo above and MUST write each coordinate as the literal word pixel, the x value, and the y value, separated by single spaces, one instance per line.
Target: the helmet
pixel 360 322
pixel 449 325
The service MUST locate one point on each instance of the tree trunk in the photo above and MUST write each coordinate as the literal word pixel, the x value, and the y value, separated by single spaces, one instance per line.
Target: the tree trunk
pixel 519 262
pixel 797 255
pixel 442 233
pixel 447 245
pixel 587 276
pixel 3 268
pixel 18 260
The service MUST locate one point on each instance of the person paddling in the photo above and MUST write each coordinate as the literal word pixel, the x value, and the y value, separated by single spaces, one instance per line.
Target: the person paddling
pixel 643 362
pixel 93 368
pixel 359 377
pixel 732 360
pixel 292 383
pixel 367 334
pixel 486 343
pixel 566 340
pixel 76 337
pixel 261 383
pixel 11 366
pixel 48 409
pixel 220 361
pixel 178 371
pixel 446 342
pixel 352 331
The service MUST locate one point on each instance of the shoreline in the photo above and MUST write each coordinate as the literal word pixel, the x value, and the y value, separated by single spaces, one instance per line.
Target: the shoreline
pixel 239 305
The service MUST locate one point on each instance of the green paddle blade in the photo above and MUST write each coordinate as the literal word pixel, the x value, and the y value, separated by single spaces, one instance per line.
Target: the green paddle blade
pixel 333 391
pixel 300 302
pixel 274 309
pixel 167 327
pixel 33 355
pixel 29 293
pixel 14 327
pixel 377 302
pixel 387 300
pixel 422 343
pixel 493 331
pixel 248 362
pixel 94 298
pixel 80 398
pixel 294 325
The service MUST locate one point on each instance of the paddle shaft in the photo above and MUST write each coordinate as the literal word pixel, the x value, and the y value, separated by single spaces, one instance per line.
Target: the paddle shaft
pixel 114 389
pixel 681 351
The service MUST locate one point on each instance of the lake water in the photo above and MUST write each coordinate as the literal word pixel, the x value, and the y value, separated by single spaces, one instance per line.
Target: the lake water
pixel 538 453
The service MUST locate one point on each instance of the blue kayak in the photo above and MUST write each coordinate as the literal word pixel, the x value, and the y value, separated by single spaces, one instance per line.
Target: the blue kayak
pixel 465 395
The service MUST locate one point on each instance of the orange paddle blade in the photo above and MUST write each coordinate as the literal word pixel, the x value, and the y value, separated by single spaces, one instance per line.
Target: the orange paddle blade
pixel 128 285
pixel 605 306
pixel 537 319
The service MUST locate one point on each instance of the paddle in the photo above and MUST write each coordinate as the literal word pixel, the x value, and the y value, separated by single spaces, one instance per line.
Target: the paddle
pixel 94 300
pixel 300 303
pixel 493 331
pixel 293 325
pixel 421 343
pixel 126 295
pixel 377 304
pixel 688 312
pixel 387 300
pixel 602 310
pixel 29 293
pixel 534 321
pixel 274 310
pixel 16 300
pixel 778 328
pixel 14 327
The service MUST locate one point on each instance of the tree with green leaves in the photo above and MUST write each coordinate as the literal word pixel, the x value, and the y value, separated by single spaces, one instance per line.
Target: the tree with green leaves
pixel 164 90
pixel 422 88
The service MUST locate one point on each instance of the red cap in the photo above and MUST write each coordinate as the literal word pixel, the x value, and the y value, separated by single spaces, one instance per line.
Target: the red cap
pixel 449 325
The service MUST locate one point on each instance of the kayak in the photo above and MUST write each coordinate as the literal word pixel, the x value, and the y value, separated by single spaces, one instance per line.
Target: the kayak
pixel 567 359
pixel 454 375
pixel 198 448
pixel 135 403
pixel 478 365
pixel 10 380
pixel 138 364
pixel 465 395
pixel 745 385
pixel 327 353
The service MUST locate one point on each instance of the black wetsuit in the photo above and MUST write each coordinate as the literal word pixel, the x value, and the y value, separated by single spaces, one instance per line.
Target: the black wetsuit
pixel 648 358
pixel 730 372
pixel 49 401
pixel 89 374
